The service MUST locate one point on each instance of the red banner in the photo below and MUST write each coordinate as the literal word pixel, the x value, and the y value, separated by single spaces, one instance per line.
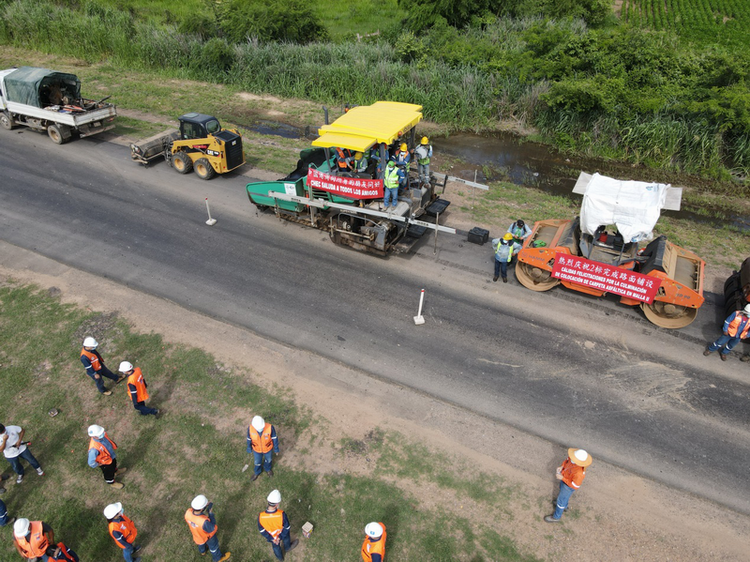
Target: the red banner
pixel 353 188
pixel 608 278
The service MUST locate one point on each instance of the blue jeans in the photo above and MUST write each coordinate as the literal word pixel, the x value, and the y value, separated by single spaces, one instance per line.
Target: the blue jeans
pixel 263 459
pixel 562 499
pixel 390 195
pixel 729 341
pixel 501 266
pixel 16 462
pixel 286 541
pixel 424 172
pixel 104 372
pixel 127 553
pixel 213 547
pixel 3 514
pixel 144 410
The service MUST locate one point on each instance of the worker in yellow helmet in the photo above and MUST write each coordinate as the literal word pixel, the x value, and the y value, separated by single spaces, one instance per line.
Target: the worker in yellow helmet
pixel 359 164
pixel 423 153
pixel 403 162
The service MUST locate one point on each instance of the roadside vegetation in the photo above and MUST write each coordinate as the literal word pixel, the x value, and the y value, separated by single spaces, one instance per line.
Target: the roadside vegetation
pixel 198 446
pixel 575 72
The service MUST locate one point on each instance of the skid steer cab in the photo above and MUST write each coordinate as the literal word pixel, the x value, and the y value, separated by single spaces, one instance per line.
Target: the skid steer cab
pixel 201 144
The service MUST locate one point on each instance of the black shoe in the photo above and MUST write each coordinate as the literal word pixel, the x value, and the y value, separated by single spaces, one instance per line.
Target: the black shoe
pixel 293 545
pixel 707 352
pixel 270 473
pixel 550 519
pixel 156 414
pixel 255 477
pixel 505 279
pixel 723 356
pixel 494 278
pixel 136 548
pixel 10 521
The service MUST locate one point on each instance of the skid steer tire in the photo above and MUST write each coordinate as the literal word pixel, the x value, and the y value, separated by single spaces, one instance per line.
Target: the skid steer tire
pixel 203 169
pixel 6 121
pixel 182 163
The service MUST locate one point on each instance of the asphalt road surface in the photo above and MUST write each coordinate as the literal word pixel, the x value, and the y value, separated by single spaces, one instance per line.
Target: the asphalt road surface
pixel 569 368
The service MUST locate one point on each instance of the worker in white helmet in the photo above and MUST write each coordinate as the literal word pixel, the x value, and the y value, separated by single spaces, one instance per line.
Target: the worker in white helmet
pixel 122 530
pixel 570 474
pixel 32 538
pixel 373 548
pixel 274 525
pixel 102 455
pixel 262 442
pixel 94 365
pixel 202 523
pixel 137 387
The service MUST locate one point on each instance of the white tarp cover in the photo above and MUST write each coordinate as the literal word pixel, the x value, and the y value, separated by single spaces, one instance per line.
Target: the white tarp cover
pixel 633 206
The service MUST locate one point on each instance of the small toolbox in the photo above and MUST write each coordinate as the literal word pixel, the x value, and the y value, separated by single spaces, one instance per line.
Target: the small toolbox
pixel 478 235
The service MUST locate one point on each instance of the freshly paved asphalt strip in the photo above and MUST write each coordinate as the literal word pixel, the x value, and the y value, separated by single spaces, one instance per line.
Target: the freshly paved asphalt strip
pixel 575 370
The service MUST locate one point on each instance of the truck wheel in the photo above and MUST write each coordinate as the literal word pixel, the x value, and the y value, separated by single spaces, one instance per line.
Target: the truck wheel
pixel 6 120
pixel 203 169
pixel 182 163
pixel 55 134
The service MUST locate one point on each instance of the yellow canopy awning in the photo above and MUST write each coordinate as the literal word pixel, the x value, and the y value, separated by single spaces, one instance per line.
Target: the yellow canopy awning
pixel 365 125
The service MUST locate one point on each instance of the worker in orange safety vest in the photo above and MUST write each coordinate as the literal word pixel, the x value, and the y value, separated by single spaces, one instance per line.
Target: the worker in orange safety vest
pixel 736 328
pixel 570 474
pixel 202 523
pixel 274 525
pixel 373 548
pixel 32 538
pixel 102 455
pixel 262 442
pixel 137 387
pixel 123 531
pixel 94 365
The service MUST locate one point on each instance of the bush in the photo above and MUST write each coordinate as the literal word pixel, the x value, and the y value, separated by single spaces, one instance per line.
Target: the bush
pixel 271 20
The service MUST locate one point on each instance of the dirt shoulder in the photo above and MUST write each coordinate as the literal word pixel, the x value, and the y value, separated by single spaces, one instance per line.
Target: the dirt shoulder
pixel 615 516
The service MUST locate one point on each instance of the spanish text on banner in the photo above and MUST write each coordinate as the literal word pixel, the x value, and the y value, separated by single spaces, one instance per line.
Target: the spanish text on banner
pixel 608 278
pixel 353 188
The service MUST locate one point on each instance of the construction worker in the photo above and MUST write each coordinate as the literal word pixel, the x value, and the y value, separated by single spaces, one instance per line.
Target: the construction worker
pixel 62 552
pixel 274 525
pixel 262 442
pixel 4 519
pixel 32 538
pixel 202 523
pixel 403 161
pixel 570 474
pixel 137 388
pixel 343 159
pixel 736 328
pixel 95 367
pixel 359 164
pixel 520 232
pixel 423 153
pixel 102 454
pixel 503 254
pixel 391 181
pixel 123 531
pixel 15 448
pixel 373 548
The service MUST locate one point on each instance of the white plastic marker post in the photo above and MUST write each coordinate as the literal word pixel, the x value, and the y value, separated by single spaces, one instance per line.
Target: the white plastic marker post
pixel 210 221
pixel 419 319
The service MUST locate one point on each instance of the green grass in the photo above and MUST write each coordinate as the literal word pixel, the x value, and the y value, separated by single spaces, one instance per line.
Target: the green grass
pixel 198 446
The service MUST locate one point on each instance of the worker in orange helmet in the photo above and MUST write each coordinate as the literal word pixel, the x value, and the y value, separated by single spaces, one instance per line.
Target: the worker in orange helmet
pixel 202 523
pixel 32 538
pixel 373 548
pixel 570 474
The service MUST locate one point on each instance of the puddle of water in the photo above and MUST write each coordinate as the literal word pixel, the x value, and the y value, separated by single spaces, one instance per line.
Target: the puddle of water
pixel 265 127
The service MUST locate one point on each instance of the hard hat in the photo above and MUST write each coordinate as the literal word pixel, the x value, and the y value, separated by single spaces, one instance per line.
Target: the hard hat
pixel 520 223
pixel 374 530
pixel 579 457
pixel 258 423
pixel 90 342
pixel 403 146
pixel 199 502
pixel 274 497
pixel 113 510
pixel 508 236
pixel 425 140
pixel 21 527
pixel 126 366
pixel 391 163
pixel 96 431
pixel 746 310
pixel 358 155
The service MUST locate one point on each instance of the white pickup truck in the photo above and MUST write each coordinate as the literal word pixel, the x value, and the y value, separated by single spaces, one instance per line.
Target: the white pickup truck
pixel 46 100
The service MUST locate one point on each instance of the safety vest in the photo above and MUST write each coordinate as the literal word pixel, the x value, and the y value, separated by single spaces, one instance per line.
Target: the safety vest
pixel 38 543
pixel 404 159
pixel 343 159
pixel 423 154
pixel 195 522
pixel 136 379
pixel 573 474
pixel 374 547
pixel 126 527
pixel 391 177
pixel 504 252
pixel 734 326
pixel 93 358
pixel 64 552
pixel 360 165
pixel 273 523
pixel 104 457
pixel 262 442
